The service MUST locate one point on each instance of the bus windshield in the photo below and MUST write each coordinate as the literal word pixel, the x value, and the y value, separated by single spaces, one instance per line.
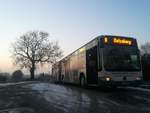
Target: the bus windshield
pixel 121 58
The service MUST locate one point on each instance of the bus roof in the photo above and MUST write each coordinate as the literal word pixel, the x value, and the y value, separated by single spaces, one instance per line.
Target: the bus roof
pixel 98 37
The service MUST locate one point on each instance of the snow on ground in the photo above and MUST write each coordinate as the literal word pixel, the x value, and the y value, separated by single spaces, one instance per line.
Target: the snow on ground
pixel 13 83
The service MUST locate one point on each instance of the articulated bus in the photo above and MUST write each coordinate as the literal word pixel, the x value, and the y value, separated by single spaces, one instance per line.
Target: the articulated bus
pixel 106 60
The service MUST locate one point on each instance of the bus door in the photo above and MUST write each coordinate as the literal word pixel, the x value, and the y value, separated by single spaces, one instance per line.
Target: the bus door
pixel 91 65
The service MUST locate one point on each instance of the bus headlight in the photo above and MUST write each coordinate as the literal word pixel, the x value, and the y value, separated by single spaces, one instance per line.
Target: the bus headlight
pixel 108 79
pixel 138 78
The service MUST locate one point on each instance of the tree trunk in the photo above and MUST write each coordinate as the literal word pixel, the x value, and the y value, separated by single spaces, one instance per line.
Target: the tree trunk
pixel 32 71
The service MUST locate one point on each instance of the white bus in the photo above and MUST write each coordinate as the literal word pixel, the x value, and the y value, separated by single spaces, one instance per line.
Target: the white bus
pixel 106 60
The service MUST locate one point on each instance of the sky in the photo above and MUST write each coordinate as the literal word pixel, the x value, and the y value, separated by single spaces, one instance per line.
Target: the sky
pixel 71 22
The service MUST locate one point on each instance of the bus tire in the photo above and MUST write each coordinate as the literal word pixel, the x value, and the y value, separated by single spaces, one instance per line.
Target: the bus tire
pixel 82 82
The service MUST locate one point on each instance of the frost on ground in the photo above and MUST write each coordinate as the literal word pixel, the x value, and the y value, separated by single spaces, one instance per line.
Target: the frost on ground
pixel 14 83
pixel 40 97
pixel 68 98
pixel 61 97
pixel 17 110
pixel 139 89
pixel 71 98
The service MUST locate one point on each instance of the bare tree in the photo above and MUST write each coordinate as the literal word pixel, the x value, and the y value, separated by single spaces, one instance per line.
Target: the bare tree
pixel 145 49
pixel 17 75
pixel 145 58
pixel 33 48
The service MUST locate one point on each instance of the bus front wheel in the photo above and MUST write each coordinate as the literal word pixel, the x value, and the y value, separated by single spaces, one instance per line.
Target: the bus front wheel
pixel 82 82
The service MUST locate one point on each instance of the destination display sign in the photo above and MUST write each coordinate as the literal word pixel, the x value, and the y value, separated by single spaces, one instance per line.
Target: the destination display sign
pixel 122 41
pixel 119 41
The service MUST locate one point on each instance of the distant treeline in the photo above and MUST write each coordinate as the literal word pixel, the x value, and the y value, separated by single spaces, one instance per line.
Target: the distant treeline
pixel 18 76
pixel 145 60
pixel 4 77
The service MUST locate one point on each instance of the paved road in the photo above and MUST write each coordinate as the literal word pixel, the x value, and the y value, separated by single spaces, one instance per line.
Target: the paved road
pixel 36 97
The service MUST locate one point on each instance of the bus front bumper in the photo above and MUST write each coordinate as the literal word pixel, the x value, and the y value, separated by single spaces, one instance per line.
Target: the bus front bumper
pixel 119 83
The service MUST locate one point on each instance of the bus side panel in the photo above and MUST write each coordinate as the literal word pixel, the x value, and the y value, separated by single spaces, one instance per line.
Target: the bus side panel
pixel 55 72
pixel 81 67
pixel 77 66
pixel 67 77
